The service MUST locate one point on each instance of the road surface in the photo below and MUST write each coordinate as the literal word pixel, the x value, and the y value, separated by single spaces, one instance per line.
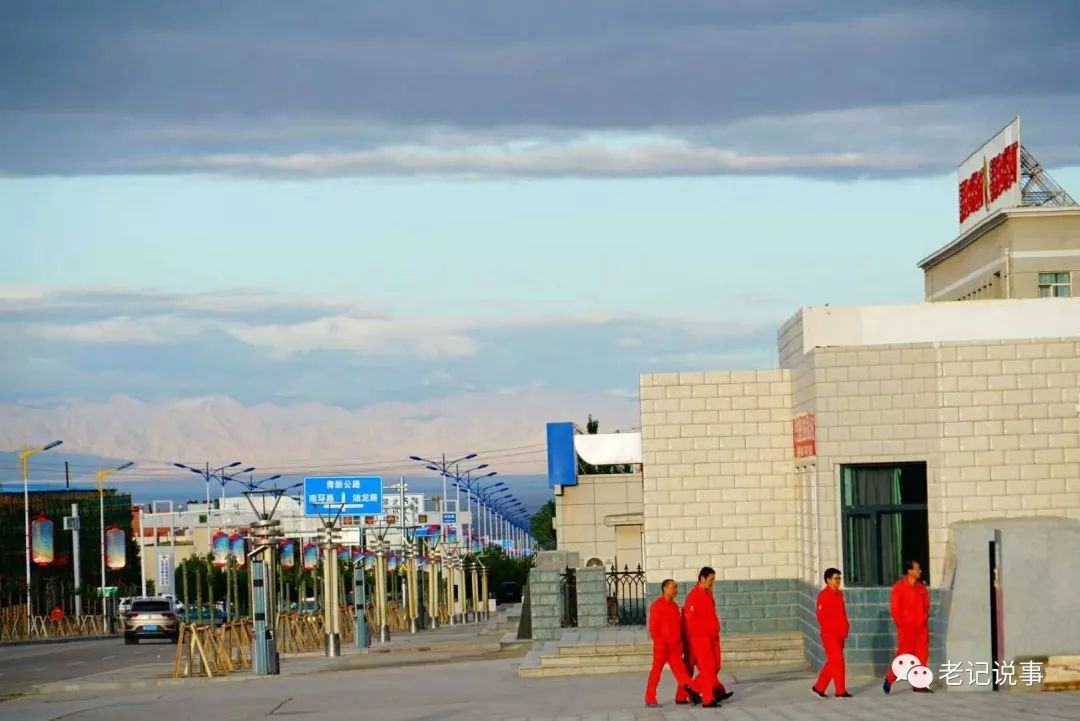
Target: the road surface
pixel 24 666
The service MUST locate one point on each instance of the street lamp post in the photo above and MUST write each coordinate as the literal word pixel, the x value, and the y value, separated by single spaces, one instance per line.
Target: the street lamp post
pixel 24 461
pixel 102 474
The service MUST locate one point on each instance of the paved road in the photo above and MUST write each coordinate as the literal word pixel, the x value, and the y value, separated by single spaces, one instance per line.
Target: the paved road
pixel 24 666
pixel 491 690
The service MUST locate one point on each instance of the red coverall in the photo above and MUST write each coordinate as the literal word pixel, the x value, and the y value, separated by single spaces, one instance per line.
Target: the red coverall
pixel 910 604
pixel 665 627
pixel 832 617
pixel 703 644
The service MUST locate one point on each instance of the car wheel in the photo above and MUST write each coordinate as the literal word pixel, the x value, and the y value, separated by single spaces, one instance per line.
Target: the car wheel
pixel 131 640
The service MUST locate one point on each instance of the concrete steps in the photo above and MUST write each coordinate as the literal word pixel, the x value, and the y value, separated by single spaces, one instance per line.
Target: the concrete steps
pixel 580 657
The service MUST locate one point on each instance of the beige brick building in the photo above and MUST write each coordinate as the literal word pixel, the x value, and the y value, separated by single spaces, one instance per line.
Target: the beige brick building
pixel 908 418
pixel 1027 252
pixel 600 519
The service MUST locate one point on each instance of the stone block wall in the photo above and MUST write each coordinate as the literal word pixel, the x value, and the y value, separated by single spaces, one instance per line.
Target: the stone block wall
pixel 717 475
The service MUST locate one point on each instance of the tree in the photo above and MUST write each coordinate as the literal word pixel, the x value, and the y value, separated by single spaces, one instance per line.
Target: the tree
pixel 541 527
pixel 592 427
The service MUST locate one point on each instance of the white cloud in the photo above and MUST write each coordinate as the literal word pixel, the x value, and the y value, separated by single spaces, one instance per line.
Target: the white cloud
pixel 384 336
pixel 158 330
pixel 598 155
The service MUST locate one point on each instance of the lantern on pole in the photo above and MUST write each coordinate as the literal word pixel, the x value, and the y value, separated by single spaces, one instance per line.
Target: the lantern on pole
pixel 343 554
pixel 115 549
pixel 311 556
pixel 219 545
pixel 237 549
pixel 41 535
pixel 288 554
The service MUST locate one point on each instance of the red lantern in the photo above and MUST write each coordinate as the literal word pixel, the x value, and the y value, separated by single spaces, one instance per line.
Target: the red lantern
pixel 311 556
pixel 236 547
pixel 41 534
pixel 115 549
pixel 288 554
pixel 219 544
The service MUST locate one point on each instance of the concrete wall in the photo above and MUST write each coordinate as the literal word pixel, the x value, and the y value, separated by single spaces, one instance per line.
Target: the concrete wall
pixel 580 513
pixel 1039 578
pixel 717 475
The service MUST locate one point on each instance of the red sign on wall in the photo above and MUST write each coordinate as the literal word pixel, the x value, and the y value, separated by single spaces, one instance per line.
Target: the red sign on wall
pixel 804 435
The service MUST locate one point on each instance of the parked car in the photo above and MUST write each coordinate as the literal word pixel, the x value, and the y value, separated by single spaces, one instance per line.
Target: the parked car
pixel 151 618
pixel 509 592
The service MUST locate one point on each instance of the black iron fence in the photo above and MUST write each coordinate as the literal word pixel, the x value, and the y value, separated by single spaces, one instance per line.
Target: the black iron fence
pixel 626 597
pixel 569 598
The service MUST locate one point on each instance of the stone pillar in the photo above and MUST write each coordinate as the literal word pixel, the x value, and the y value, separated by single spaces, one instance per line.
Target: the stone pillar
pixel 545 594
pixel 592 597
pixel 545 598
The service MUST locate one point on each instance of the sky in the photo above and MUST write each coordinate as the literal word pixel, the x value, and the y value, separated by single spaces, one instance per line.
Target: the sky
pixel 336 235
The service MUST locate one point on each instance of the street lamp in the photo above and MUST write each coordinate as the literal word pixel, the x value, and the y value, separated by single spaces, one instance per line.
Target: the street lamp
pixel 102 474
pixel 24 461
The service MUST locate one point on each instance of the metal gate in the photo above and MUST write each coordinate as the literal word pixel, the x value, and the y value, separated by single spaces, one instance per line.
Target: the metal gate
pixel 568 581
pixel 626 597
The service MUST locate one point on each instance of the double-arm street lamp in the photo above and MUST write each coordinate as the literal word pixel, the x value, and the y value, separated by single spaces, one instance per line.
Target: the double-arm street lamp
pixel 24 462
pixel 102 474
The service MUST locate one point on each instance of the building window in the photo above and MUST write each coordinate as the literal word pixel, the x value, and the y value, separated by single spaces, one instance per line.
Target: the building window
pixel 1055 285
pixel 883 511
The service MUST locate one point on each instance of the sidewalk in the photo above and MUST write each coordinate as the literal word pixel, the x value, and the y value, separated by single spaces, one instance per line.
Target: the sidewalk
pixel 490 690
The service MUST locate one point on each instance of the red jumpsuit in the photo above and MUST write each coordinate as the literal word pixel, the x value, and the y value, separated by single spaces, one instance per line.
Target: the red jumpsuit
pixel 832 617
pixel 910 605
pixel 665 627
pixel 703 643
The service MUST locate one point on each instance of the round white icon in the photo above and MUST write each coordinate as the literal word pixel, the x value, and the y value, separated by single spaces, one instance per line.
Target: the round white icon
pixel 920 677
pixel 902 665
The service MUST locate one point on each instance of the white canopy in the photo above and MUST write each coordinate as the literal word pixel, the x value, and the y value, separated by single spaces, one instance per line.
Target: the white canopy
pixel 603 449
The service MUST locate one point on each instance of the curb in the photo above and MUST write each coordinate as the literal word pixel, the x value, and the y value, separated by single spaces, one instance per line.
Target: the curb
pixel 84 686
pixel 50 641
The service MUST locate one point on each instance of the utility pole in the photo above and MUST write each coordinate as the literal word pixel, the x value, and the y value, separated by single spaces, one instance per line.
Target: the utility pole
pixel 74 525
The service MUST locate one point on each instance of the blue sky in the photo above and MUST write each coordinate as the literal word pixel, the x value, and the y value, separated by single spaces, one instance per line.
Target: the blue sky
pixel 259 232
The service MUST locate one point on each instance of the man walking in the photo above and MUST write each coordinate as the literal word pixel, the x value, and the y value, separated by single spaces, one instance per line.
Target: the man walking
pixel 665 627
pixel 833 620
pixel 703 639
pixel 910 606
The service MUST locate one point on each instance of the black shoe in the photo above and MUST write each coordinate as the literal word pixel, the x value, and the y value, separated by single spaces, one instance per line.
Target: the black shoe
pixel 652 705
pixel 726 695
pixel 819 694
pixel 695 697
pixel 922 690
pixel 712 704
pixel 843 695
pixel 886 686
pixel 681 703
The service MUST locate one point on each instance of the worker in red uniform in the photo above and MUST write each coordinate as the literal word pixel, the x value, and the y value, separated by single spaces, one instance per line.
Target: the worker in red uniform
pixel 665 627
pixel 703 638
pixel 832 618
pixel 910 605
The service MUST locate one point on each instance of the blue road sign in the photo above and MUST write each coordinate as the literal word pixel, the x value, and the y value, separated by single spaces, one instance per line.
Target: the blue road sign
pixel 360 495
pixel 449 519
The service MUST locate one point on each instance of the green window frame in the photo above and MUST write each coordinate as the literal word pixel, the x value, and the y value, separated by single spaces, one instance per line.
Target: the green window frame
pixel 884 521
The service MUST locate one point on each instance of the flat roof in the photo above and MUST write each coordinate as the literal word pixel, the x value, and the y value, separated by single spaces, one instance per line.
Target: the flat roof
pixel 991 222
pixel 956 321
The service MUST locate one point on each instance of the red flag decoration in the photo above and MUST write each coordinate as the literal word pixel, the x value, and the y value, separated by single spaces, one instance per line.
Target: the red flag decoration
pixel 219 543
pixel 41 535
pixel 115 549
pixel 311 556
pixel 237 549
